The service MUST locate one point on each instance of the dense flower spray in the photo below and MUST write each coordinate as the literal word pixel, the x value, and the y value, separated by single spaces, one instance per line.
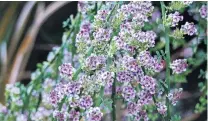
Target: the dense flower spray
pixel 125 66
pixel 112 52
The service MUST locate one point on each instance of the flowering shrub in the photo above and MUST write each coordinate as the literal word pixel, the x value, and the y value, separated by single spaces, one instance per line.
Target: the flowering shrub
pixel 111 50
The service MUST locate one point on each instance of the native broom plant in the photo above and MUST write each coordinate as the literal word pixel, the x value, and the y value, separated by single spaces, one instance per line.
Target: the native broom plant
pixel 106 58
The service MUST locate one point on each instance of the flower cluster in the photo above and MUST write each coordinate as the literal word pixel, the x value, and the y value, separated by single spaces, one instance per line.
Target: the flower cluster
pixel 178 66
pixel 187 2
pixel 145 98
pixel 175 18
pixel 128 92
pixel 74 115
pixel 86 6
pixel 189 28
pixel 124 76
pixel 13 91
pixel 83 37
pixel 137 11
pixel 203 11
pixel 175 95
pixel 102 35
pixel 94 62
pixel 108 78
pixel 149 62
pixel 66 70
pixel 94 114
pixel 132 108
pixel 162 108
pixel 60 115
pixel 21 117
pixel 101 18
pixel 85 102
pixel 41 114
pixel 3 109
pixel 149 84
pixel 130 63
pixel 56 96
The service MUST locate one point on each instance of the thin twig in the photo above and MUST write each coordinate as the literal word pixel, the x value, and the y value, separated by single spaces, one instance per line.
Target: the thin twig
pixel 19 28
pixel 26 46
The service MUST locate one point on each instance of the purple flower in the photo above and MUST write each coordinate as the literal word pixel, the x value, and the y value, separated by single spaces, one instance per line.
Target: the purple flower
pixel 41 114
pixel 161 108
pixel 203 11
pixel 124 76
pixel 74 115
pixel 178 66
pixel 83 36
pixel 129 93
pixel 144 58
pixel 119 42
pixel 57 94
pixel 175 18
pixel 85 102
pixel 149 62
pixel 3 109
pixel 94 62
pixel 144 97
pixel 175 95
pixel 108 78
pixel 21 117
pixel 130 64
pixel 66 70
pixel 73 88
pixel 148 83
pixel 133 108
pixel 189 28
pixel 94 114
pixel 187 2
pixel 102 34
pixel 101 15
pixel 147 38
pixel 142 115
pixel 60 115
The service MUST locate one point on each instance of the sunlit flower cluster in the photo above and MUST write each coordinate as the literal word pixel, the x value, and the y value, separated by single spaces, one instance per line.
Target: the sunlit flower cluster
pixel 203 11
pixel 178 66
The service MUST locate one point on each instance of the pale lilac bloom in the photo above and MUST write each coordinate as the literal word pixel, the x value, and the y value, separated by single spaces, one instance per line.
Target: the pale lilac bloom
pixel 85 102
pixel 175 95
pixel 66 70
pixel 94 114
pixel 175 18
pixel 128 93
pixel 178 66
pixel 74 115
pixel 161 108
pixel 189 28
pixel 203 11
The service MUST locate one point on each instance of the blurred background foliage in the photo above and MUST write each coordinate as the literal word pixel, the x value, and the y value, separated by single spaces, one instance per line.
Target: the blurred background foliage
pixel 30 30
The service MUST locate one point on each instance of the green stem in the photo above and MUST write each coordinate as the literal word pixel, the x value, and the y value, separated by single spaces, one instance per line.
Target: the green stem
pixel 114 100
pixel 167 51
pixel 113 96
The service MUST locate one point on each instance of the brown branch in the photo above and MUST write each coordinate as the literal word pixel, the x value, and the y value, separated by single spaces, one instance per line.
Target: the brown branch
pixel 193 117
pixel 5 23
pixel 27 44
pixel 19 28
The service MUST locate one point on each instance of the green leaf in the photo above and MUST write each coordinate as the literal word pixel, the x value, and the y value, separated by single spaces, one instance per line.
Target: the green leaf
pixel 176 118
pixel 179 78
pixel 164 85
pixel 106 105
